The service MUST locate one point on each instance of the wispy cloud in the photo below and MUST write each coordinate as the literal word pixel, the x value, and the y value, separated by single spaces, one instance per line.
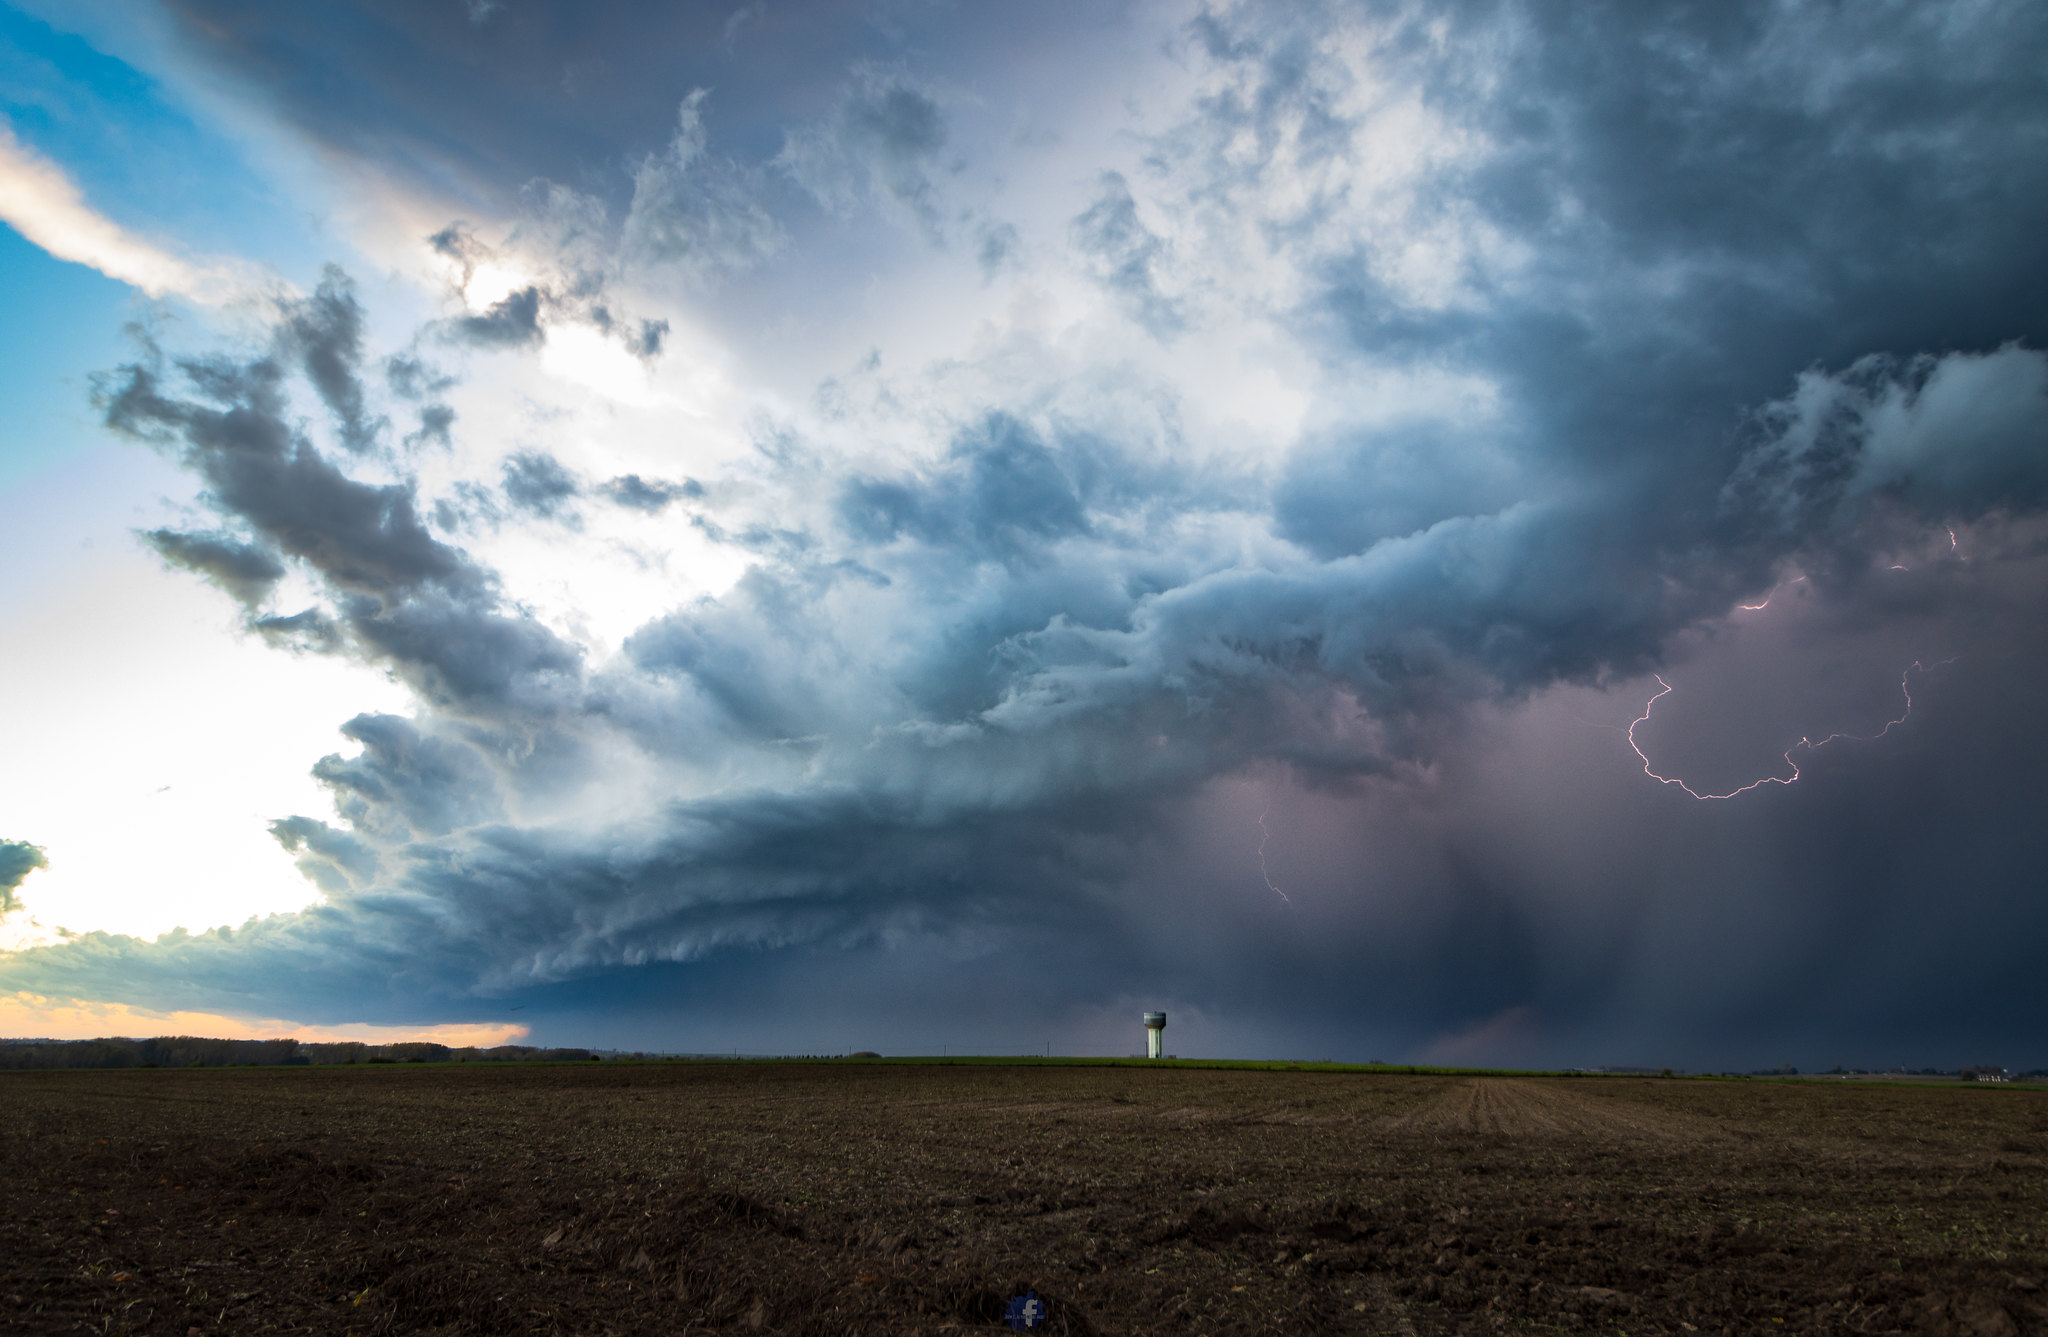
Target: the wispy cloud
pixel 44 205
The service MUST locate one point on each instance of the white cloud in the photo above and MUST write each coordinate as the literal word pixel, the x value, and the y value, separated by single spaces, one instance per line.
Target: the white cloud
pixel 44 205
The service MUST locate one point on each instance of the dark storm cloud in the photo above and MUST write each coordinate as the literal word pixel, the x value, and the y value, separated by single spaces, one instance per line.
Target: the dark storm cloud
pixel 647 344
pixel 537 483
pixel 565 91
pixel 1683 408
pixel 480 107
pixel 507 323
pixel 650 495
pixel 1626 121
pixel 1342 496
pixel 18 859
pixel 463 653
pixel 408 783
pixel 245 571
pixel 1006 493
pixel 400 595
pixel 436 420
pixel 1827 922
pixel 325 333
pixel 309 630
pixel 458 243
pixel 644 341
pixel 335 861
pixel 412 378
pixel 1961 434
pixel 237 435
pixel 413 927
pixel 1722 292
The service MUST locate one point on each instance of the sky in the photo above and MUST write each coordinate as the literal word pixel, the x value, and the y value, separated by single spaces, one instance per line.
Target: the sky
pixel 1479 533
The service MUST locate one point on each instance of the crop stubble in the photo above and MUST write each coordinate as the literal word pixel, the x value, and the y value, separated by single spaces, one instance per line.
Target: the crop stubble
pixel 795 1198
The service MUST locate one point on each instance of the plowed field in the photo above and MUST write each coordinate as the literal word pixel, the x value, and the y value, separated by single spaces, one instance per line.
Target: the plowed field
pixel 874 1198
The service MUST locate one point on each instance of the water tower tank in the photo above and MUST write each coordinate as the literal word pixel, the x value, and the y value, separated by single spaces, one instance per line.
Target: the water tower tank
pixel 1155 1028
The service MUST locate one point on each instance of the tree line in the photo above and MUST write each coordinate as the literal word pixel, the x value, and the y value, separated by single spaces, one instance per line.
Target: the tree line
pixel 193 1051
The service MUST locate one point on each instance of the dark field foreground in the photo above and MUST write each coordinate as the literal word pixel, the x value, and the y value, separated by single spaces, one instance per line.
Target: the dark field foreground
pixel 874 1198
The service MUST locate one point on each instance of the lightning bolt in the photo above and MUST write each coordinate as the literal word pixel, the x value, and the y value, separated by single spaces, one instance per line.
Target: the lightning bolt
pixel 1768 597
pixel 1954 547
pixel 1264 835
pixel 1905 689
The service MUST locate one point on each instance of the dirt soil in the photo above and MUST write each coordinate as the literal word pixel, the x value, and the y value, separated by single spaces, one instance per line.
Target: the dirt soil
pixel 851 1198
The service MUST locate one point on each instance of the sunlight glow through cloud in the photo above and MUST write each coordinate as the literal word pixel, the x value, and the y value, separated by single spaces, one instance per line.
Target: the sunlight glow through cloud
pixel 152 792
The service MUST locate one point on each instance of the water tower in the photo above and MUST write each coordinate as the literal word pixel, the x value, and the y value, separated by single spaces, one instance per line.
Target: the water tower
pixel 1155 1029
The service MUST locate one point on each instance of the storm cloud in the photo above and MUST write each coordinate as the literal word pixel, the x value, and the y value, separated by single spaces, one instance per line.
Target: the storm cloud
pixel 538 483
pixel 18 859
pixel 1699 342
